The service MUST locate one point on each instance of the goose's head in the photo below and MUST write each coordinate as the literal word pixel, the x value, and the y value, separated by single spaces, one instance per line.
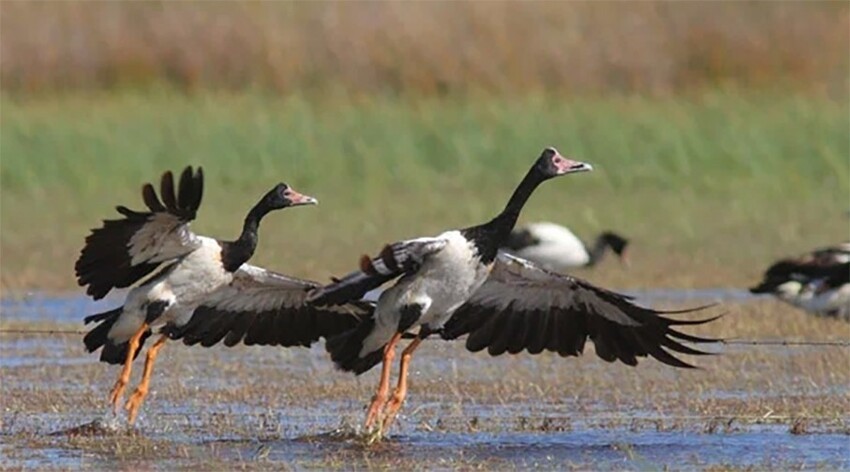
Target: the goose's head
pixel 552 164
pixel 284 196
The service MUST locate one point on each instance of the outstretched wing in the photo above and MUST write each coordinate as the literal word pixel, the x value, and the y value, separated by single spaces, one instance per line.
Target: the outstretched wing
pixel 123 251
pixel 524 307
pixel 404 257
pixel 266 308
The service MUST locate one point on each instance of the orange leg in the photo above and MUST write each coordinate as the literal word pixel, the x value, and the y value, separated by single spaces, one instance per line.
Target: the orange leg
pixel 380 397
pixel 138 396
pixel 401 390
pixel 124 378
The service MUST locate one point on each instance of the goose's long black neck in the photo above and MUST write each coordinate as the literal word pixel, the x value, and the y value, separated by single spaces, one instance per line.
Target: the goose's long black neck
pixel 596 253
pixel 236 253
pixel 489 236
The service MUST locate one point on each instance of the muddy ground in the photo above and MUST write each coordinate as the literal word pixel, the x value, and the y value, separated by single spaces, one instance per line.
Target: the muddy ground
pixel 749 407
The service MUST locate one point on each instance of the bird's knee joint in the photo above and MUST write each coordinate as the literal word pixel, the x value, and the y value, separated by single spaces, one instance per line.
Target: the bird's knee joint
pixel 389 354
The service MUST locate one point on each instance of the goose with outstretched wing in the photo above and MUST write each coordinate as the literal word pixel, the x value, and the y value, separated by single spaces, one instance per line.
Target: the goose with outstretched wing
pixel 456 283
pixel 524 307
pixel 191 287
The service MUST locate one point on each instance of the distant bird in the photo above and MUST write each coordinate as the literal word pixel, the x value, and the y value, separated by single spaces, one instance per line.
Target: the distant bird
pixel 555 247
pixel 193 287
pixel 457 283
pixel 818 282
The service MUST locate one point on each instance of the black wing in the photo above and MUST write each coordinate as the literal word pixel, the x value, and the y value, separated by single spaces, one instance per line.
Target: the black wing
pixel 261 307
pixel 124 251
pixel 524 307
pixel 404 257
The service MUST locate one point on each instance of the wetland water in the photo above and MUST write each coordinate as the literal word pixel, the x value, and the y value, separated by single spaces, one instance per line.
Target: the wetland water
pixel 275 408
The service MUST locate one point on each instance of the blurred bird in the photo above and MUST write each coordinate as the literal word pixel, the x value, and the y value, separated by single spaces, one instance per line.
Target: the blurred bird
pixel 817 282
pixel 555 247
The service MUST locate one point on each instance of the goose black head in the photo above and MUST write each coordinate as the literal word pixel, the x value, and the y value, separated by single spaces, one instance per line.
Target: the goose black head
pixel 617 244
pixel 552 164
pixel 284 196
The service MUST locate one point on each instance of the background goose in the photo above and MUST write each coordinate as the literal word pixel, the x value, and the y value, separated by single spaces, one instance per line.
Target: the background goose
pixel 457 284
pixel 181 273
pixel 817 282
pixel 555 247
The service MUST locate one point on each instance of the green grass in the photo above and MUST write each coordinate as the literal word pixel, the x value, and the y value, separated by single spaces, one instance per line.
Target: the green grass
pixel 711 188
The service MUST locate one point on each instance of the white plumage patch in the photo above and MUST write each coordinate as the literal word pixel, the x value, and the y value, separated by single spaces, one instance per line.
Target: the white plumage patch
pixel 162 238
pixel 557 247
pixel 519 286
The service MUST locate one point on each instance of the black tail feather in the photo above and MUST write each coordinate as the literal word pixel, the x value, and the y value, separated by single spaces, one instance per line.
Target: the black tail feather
pixel 98 337
pixel 345 349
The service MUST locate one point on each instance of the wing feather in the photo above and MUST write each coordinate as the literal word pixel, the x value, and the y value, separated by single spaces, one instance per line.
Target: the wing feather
pixel 261 307
pixel 125 251
pixel 394 260
pixel 524 307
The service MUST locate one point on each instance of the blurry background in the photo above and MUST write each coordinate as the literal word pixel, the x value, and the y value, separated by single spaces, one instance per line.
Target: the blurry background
pixel 718 130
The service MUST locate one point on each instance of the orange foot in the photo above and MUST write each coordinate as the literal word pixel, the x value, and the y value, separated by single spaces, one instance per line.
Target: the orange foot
pixel 117 392
pixel 135 402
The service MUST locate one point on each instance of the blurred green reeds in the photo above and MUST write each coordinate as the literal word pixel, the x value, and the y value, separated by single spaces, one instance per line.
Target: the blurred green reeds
pixel 711 188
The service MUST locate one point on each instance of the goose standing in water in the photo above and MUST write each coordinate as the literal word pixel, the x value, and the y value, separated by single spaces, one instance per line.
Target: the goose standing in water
pixel 818 282
pixel 457 283
pixel 193 287
pixel 555 247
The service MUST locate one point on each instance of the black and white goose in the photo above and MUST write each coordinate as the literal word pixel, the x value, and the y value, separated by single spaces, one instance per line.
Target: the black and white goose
pixel 555 247
pixel 457 283
pixel 193 287
pixel 817 282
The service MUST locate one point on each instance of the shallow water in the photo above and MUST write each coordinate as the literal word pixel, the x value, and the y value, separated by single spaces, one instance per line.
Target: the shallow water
pixel 266 408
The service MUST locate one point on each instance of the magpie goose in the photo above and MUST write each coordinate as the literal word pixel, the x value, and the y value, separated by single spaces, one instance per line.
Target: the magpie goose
pixel 817 282
pixel 555 247
pixel 193 287
pixel 457 283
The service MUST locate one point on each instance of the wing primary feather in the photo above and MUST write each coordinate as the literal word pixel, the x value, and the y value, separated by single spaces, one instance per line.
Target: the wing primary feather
pixel 685 310
pixel 681 348
pixel 480 338
pixel 185 190
pixel 167 191
pixel 502 332
pixel 524 326
pixel 691 337
pixel 672 322
pixel 239 327
pixel 199 189
pixel 258 332
pixel 663 356
pixel 537 335
pixel 150 198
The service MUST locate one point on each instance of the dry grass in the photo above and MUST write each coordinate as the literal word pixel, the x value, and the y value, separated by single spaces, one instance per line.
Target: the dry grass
pixel 208 403
pixel 426 47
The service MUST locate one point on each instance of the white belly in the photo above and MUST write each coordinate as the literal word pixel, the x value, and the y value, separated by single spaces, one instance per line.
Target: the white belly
pixel 827 302
pixel 184 287
pixel 445 282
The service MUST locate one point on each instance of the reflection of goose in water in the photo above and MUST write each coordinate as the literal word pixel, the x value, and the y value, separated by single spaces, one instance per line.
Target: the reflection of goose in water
pixel 818 282
pixel 555 247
